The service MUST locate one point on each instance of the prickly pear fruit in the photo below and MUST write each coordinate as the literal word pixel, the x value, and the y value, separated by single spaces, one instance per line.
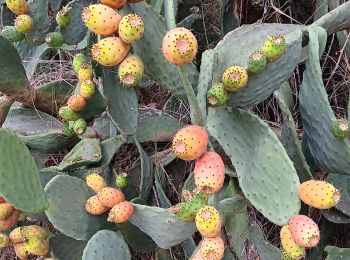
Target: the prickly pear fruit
pixel 121 212
pixel 115 4
pixel 85 72
pixel 80 126
pixel 274 47
pixel 78 60
pixel 68 129
pixel 319 194
pixel 37 246
pixel 257 62
pixel 130 71
pixel 131 28
pixel 4 240
pixel 21 251
pixel 121 180
pixel 23 23
pixel 110 51
pixel 235 78
pixel 179 46
pixel 2 199
pixel 94 206
pixel 340 128
pixel 16 236
pixel 208 221
pixel 96 182
pixel 289 245
pixel 135 1
pixel 198 201
pixel 213 248
pixel 5 210
pixel 10 221
pixel 18 6
pixel 76 102
pixel 11 34
pixel 217 95
pixel 209 173
pixel 197 256
pixel 286 256
pixel 68 114
pixel 304 231
pixel 63 18
pixel 110 197
pixel 35 231
pixel 87 89
pixel 54 39
pixel 190 142
pixel 101 19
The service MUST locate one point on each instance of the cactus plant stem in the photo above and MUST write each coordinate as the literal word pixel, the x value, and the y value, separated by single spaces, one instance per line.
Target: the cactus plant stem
pixel 170 14
pixel 196 114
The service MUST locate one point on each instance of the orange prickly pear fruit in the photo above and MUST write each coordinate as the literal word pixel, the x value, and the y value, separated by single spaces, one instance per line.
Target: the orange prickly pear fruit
pixel 289 245
pixel 16 236
pixel 94 206
pixel 304 230
pixel 76 102
pixel 212 248
pixel 208 221
pixel 190 142
pixel 121 212
pixel 5 210
pixel 10 221
pixel 110 197
pixel 35 231
pixel 18 6
pixel 115 4
pixel 96 182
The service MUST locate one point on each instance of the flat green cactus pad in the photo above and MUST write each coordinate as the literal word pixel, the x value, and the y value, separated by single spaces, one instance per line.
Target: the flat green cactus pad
pixel 336 253
pixel 67 248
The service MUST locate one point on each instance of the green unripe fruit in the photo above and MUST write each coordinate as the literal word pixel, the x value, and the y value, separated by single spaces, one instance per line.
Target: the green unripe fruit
pixel 340 128
pixel 24 23
pixel 78 60
pixel 63 17
pixel 68 129
pixel 130 71
pixel 197 202
pixel 87 89
pixel 234 78
pixel 131 28
pixel 68 114
pixel 257 62
pixel 80 126
pixel 184 212
pixel 121 180
pixel 11 34
pixel 274 47
pixel 217 95
pixel 54 39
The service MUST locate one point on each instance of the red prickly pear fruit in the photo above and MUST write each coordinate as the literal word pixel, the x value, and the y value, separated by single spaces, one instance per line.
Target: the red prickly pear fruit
pixel 23 23
pixel 319 194
pixel 85 72
pixel 190 142
pixel 110 197
pixel 10 221
pixel 110 51
pixel 121 212
pixel 2 199
pixel 78 60
pixel 213 248
pixel 87 89
pixel 68 114
pixel 130 71
pixel 18 6
pixel 289 245
pixel 77 103
pixel 209 173
pixel 197 256
pixel 234 78
pixel 37 246
pixel 80 126
pixel 4 240
pixel 115 4
pixel 131 28
pixel 101 19
pixel 94 206
pixel 63 17
pixel 16 236
pixel 96 182
pixel 274 47
pixel 208 221
pixel 304 230
pixel 21 251
pixel 179 46
pixel 35 231
pixel 5 210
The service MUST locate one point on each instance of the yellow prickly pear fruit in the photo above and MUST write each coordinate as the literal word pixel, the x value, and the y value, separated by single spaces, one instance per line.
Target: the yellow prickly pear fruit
pixel 130 71
pixel 110 197
pixel 285 256
pixel 121 212
pixel 16 236
pixel 10 221
pixel 37 246
pixel 85 72
pixel 101 19
pixel 18 6
pixel 213 248
pixel 179 46
pixel 35 231
pixel 4 240
pixel 94 206
pixel 274 47
pixel 5 210
pixel 131 28
pixel 21 251
pixel 110 51
pixel 289 245
pixel 234 78
pixel 96 182
pixel 319 194
pixel 23 23
pixel 190 142
pixel 87 89
pixel 208 221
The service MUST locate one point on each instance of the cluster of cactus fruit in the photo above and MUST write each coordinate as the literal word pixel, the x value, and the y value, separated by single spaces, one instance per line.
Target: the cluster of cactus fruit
pixel 98 214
